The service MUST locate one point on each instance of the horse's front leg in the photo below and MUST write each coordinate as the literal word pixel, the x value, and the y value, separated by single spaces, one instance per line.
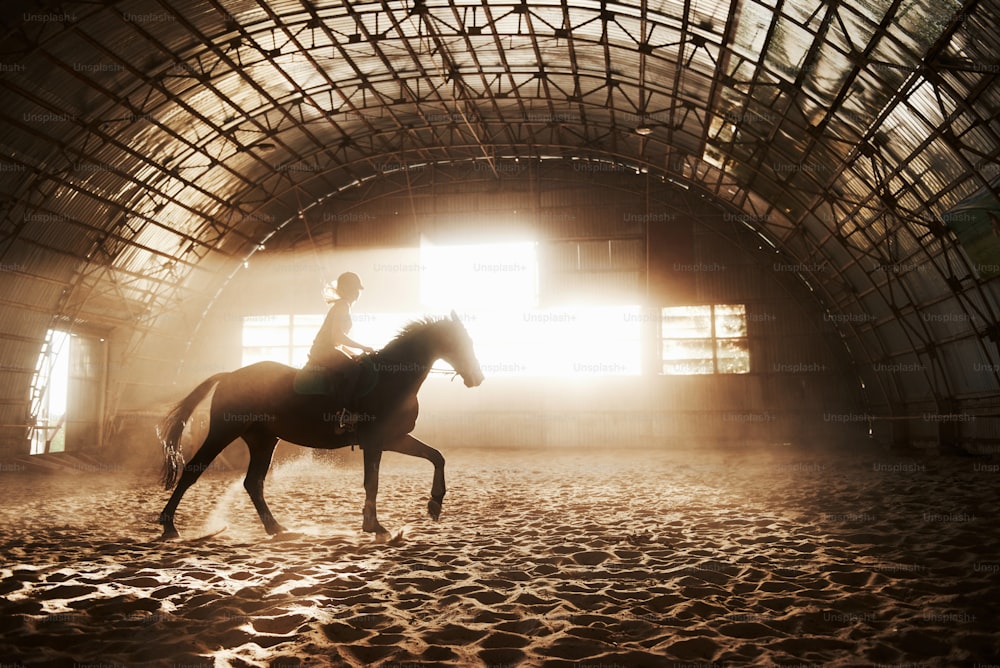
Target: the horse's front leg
pixel 409 445
pixel 373 458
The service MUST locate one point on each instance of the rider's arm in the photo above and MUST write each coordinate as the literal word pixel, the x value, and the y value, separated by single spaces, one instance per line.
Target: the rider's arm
pixel 342 325
pixel 351 343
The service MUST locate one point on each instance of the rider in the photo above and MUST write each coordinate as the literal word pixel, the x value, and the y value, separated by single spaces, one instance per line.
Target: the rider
pixel 331 351
pixel 332 342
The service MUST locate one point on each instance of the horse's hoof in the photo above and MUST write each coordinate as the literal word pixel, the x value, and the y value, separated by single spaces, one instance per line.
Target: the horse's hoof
pixel 169 534
pixel 374 528
pixel 434 509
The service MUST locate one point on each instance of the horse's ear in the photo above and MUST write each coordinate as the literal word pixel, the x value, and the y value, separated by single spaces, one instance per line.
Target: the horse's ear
pixel 454 316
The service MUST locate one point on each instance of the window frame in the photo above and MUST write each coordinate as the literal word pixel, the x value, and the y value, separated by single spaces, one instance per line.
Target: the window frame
pixel 713 339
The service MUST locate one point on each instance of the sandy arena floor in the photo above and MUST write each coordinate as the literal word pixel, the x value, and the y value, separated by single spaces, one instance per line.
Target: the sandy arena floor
pixel 599 560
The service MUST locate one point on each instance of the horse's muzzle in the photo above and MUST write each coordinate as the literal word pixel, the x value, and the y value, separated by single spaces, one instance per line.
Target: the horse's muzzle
pixel 473 379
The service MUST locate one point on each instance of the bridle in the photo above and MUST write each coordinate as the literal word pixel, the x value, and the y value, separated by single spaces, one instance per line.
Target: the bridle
pixel 369 358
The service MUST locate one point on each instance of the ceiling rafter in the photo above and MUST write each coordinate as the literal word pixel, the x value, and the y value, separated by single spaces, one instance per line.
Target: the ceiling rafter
pixel 232 125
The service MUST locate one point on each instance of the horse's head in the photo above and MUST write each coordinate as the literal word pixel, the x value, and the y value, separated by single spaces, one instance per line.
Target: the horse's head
pixel 457 351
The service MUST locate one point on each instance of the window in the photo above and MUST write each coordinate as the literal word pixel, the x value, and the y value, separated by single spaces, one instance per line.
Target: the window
pixel 574 341
pixel 471 276
pixel 495 287
pixel 288 338
pixel 279 338
pixel 705 339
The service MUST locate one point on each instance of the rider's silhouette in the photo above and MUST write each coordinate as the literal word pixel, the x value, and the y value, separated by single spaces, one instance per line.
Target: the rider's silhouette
pixel 332 343
pixel 330 370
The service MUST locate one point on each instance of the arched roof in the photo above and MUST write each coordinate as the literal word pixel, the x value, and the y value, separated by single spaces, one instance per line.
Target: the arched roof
pixel 149 147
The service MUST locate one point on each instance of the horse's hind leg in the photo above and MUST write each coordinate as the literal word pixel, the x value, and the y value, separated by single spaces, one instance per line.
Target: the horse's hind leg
pixel 408 445
pixel 215 442
pixel 261 450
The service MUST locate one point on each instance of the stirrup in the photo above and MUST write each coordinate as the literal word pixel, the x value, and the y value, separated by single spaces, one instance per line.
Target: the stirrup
pixel 344 421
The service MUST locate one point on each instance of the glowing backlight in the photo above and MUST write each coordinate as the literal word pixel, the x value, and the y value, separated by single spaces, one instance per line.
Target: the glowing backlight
pixel 572 341
pixel 495 290
pixel 478 276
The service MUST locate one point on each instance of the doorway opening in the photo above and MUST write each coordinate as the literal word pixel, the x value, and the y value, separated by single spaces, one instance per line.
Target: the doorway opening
pixel 66 393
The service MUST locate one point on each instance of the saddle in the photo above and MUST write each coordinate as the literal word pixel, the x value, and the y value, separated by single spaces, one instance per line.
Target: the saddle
pixel 339 390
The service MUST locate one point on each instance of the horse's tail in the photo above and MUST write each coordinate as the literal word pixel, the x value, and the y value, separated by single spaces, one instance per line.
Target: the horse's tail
pixel 172 426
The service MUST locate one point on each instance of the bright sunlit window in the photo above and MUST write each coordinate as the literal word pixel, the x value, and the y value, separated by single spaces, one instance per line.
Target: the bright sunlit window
pixel 494 288
pixel 279 338
pixel 571 341
pixel 477 276
pixel 288 338
pixel 705 339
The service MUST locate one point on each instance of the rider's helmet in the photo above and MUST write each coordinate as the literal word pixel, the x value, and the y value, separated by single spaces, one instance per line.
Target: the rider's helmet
pixel 346 286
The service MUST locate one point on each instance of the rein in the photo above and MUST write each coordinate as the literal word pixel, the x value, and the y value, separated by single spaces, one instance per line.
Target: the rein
pixel 369 358
pixel 454 374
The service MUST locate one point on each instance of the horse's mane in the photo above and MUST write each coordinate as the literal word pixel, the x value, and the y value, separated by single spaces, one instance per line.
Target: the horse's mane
pixel 418 325
pixel 412 328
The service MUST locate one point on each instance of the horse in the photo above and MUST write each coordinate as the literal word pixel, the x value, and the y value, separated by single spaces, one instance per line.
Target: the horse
pixel 260 404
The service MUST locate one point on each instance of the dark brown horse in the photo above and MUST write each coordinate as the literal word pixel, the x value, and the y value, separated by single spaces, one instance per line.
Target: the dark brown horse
pixel 259 403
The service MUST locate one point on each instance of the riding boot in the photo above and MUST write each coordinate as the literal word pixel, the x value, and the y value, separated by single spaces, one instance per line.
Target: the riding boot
pixel 343 384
